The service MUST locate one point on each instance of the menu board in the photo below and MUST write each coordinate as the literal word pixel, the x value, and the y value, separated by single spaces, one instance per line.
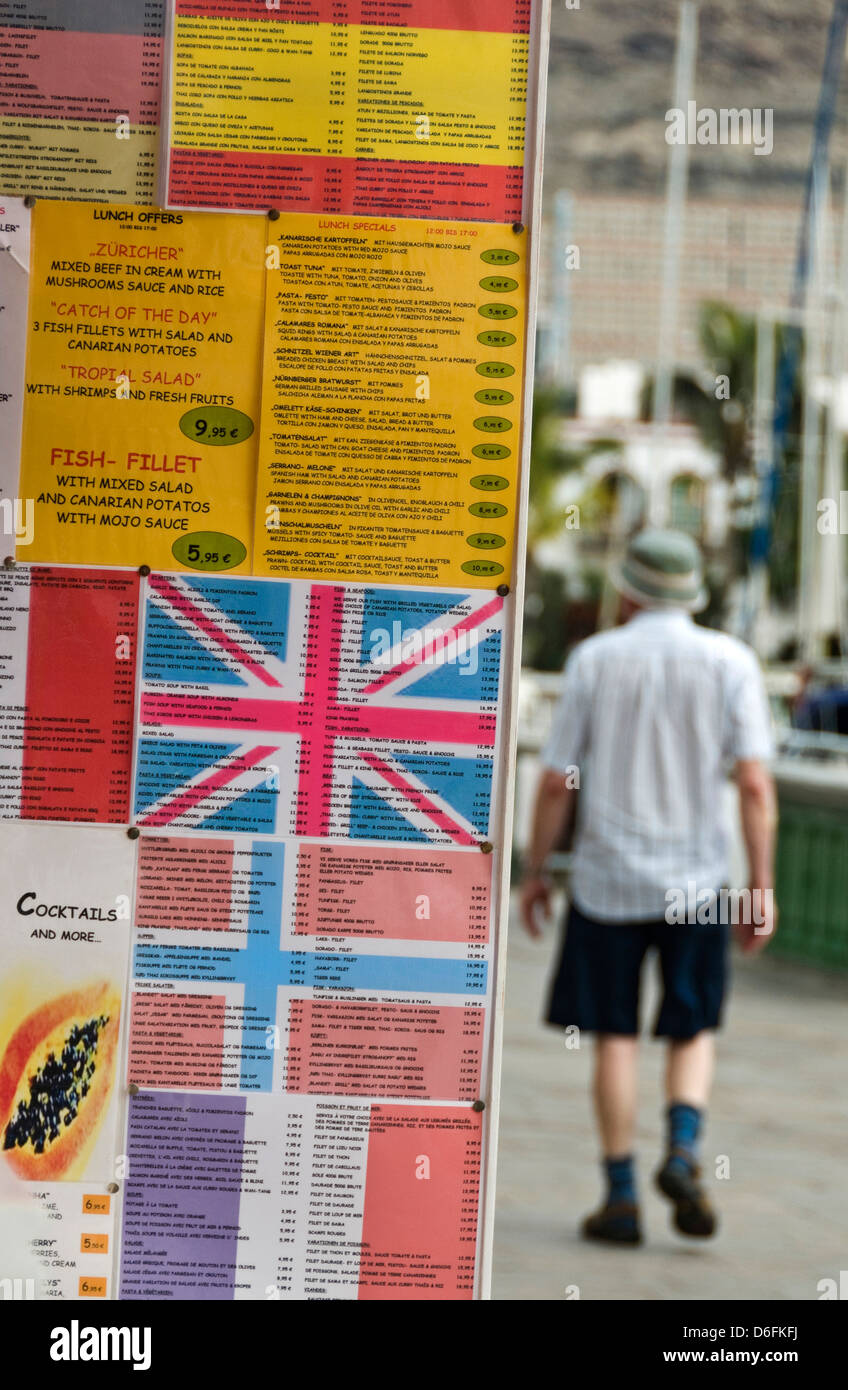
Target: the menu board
pixel 67 663
pixel 260 1197
pixel 350 106
pixel 389 439
pixel 65 919
pixel 260 489
pixel 142 386
pixel 80 88
pixel 302 967
pixel 65 913
pixel 318 710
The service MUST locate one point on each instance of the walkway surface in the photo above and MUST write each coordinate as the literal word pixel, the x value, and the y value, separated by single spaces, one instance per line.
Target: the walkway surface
pixel 778 1116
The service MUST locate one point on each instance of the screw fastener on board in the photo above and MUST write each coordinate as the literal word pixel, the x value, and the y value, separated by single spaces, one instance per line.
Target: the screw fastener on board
pixel 133 832
pixel 486 847
pixel 479 1105
pixel 144 570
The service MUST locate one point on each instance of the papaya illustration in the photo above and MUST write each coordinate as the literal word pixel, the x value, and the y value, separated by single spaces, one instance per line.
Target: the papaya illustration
pixel 56 1076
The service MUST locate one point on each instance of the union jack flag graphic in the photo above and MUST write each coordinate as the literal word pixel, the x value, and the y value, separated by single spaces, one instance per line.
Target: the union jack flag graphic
pixel 290 708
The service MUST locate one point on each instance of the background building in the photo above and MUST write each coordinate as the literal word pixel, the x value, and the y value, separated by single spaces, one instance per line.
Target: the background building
pixel 740 253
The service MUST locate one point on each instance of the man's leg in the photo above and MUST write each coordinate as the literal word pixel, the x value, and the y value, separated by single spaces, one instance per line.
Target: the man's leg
pixel 689 1070
pixel 688 1079
pixel 596 989
pixel 614 1090
pixel 693 957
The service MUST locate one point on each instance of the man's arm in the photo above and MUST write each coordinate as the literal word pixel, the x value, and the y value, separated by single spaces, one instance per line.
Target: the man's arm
pixel 556 799
pixel 758 811
pixel 554 811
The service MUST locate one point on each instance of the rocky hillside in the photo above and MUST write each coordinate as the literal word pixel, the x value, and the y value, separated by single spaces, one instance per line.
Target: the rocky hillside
pixel 611 82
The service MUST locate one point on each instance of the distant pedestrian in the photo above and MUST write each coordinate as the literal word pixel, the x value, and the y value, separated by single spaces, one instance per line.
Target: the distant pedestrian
pixel 654 715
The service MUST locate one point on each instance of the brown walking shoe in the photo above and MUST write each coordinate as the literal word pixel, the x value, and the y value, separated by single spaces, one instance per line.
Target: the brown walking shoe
pixel 617 1224
pixel 679 1180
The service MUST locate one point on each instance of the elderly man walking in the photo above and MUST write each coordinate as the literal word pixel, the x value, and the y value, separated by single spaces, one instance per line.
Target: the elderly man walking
pixel 654 715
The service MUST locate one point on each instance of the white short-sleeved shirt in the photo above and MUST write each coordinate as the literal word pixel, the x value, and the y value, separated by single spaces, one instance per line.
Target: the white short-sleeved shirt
pixel 654 714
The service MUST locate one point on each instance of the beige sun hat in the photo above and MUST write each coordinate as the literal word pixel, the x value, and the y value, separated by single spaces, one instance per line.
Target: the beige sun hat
pixel 663 569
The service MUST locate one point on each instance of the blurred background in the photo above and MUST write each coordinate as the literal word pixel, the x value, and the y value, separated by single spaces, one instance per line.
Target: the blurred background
pixel 692 371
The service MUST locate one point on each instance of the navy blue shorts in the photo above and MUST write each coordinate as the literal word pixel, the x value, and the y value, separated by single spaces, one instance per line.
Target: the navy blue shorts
pixel 596 985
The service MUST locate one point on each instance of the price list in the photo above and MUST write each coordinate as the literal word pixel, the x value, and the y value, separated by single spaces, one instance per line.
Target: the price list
pixel 80 89
pixel 391 407
pixel 58 1241
pixel 313 720
pixel 423 1247
pixel 69 638
pixel 375 893
pixel 303 1199
pixel 351 1048
pixel 342 107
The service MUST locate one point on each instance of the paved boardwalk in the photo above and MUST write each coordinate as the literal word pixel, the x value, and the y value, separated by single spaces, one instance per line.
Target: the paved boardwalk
pixel 778 1114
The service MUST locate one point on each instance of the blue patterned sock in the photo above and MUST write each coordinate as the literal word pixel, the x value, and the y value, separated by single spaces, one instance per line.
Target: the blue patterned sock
pixel 621 1179
pixel 684 1126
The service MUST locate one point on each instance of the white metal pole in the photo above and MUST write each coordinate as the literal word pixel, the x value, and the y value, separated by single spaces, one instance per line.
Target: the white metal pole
pixel 675 207
pixel 757 586
pixel 832 547
pixel 811 434
pixel 562 289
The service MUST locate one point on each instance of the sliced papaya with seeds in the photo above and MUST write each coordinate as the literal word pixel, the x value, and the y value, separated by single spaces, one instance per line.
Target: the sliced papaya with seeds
pixel 56 1076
